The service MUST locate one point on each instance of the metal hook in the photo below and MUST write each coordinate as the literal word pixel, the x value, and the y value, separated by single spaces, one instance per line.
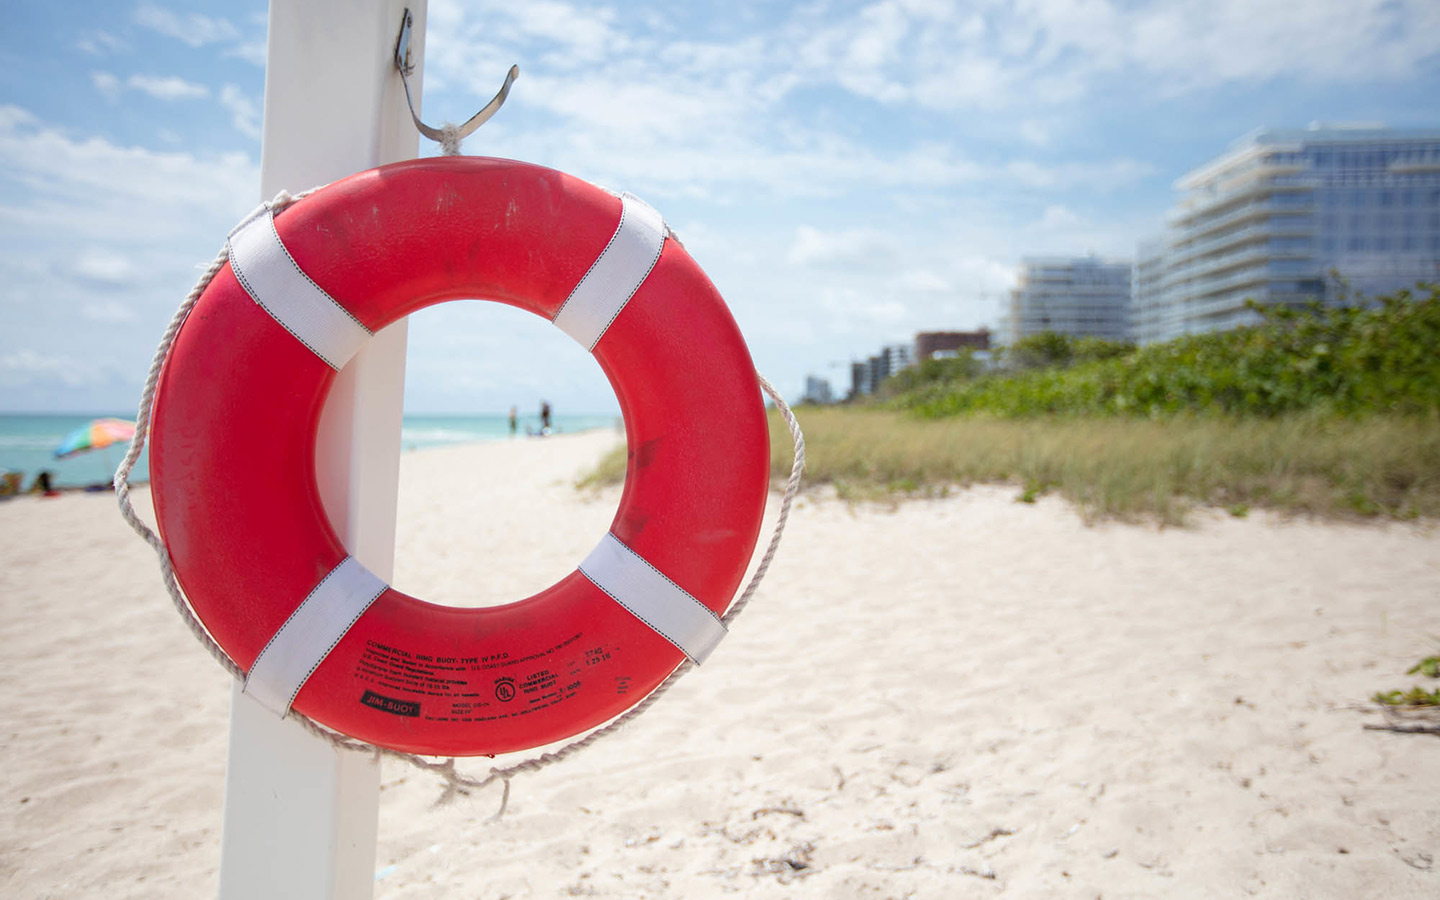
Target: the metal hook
pixel 449 136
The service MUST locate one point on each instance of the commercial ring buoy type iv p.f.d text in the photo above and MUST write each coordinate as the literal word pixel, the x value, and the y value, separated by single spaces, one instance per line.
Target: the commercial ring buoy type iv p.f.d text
pixel 245 379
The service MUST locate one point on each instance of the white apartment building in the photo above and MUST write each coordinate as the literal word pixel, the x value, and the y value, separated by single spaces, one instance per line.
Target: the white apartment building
pixel 1076 296
pixel 1271 218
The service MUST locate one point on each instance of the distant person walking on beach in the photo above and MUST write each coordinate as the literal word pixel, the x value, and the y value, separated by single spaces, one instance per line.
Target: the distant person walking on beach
pixel 512 421
pixel 544 416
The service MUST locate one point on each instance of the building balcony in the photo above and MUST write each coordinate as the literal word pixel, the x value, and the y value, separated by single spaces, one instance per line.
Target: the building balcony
pixel 1207 287
pixel 1282 182
pixel 1248 213
pixel 1182 255
pixel 1230 304
pixel 1212 266
pixel 1278 226
pixel 1198 275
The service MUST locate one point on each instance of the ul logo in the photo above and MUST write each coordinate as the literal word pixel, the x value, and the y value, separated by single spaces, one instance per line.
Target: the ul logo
pixel 505 690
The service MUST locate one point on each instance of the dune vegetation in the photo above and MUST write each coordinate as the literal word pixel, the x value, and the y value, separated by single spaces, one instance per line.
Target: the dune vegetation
pixel 1325 411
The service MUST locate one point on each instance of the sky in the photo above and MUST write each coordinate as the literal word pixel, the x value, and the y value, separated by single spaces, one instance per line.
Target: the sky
pixel 846 173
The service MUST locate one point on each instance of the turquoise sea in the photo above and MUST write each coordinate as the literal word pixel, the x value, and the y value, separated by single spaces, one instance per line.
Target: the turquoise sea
pixel 28 442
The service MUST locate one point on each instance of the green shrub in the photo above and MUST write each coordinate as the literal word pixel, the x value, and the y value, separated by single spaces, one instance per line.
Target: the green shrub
pixel 932 372
pixel 1333 360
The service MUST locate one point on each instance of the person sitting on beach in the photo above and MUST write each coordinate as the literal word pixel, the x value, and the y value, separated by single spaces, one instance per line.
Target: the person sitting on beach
pixel 43 486
pixel 9 485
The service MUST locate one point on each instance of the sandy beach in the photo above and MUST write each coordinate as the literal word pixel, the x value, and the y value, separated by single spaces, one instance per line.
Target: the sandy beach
pixel 967 697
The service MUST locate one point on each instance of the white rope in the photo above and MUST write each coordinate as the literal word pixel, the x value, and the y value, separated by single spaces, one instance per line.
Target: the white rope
pixel 450 138
pixel 455 782
pixel 137 445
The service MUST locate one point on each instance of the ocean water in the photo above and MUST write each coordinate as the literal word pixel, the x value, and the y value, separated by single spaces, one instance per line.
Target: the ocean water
pixel 431 431
pixel 28 442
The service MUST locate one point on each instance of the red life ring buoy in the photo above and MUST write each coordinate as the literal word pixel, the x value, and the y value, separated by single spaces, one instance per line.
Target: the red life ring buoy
pixel 233 456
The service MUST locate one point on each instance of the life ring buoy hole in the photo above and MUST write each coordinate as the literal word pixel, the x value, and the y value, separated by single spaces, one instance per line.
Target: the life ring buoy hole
pixel 490 525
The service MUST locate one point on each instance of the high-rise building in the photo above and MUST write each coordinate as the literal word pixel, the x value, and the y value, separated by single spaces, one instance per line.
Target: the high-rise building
pixel 1076 296
pixel 860 383
pixel 817 390
pixel 1149 320
pixel 892 359
pixel 1271 218
pixel 865 377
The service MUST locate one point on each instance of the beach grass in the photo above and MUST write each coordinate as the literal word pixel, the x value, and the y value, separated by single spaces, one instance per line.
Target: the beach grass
pixel 1122 468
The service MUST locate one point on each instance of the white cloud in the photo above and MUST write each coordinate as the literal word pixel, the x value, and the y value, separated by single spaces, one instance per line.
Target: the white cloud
pixel 858 246
pixel 1063 231
pixel 707 120
pixel 1035 132
pixel 171 88
pixel 244 114
pixel 106 84
pixel 102 241
pixel 100 43
pixel 105 267
pixel 108 311
pixel 92 186
pixel 23 367
pixel 923 281
pixel 252 52
pixel 192 29
pixel 581 34
pixel 159 87
pixel 629 108
pixel 856 309
pixel 1043 53
pixel 1057 216
pixel 1100 176
pixel 1207 42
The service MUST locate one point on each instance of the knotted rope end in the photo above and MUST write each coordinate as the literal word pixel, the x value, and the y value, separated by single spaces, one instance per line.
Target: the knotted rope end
pixel 450 138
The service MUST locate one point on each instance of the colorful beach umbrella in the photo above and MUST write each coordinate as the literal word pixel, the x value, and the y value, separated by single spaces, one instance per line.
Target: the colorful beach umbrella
pixel 99 433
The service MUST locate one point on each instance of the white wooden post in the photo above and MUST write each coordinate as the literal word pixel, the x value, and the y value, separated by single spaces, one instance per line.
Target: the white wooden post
pixel 300 817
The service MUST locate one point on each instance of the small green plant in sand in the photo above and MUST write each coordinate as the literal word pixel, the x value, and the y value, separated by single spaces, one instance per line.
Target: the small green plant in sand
pixel 1429 667
pixel 1416 696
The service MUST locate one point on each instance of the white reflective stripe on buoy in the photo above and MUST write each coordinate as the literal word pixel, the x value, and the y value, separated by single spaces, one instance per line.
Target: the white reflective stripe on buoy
pixel 654 599
pixel 311 632
pixel 616 274
pixel 270 275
